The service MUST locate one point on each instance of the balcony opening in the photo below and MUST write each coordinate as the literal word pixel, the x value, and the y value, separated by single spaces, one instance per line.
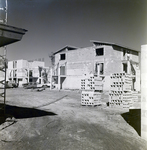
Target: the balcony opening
pixel 99 51
pixel 99 70
pixel 62 70
pixel 125 68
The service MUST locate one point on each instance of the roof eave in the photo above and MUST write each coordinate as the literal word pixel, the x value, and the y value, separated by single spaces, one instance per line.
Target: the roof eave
pixel 112 44
pixel 66 47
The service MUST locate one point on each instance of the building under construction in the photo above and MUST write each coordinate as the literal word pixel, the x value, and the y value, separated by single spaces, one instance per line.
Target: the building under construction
pixel 24 71
pixel 102 59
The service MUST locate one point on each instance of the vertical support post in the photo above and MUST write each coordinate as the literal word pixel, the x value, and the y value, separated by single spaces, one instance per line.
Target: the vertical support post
pixel 128 67
pixel 3 78
pixel 98 70
pixel 5 69
pixel 28 74
pixel 51 73
pixel 59 78
pixel 144 92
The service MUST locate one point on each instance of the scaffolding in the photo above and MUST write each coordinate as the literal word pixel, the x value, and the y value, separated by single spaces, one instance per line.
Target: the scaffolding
pixel 9 35
pixel 3 63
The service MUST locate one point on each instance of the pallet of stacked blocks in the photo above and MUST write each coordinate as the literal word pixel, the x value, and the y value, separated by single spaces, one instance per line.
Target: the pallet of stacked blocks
pixel 120 90
pixel 91 87
pixel 90 98
pixel 91 83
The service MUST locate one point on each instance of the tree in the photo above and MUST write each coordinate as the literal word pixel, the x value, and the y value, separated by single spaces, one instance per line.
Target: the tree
pixel 52 57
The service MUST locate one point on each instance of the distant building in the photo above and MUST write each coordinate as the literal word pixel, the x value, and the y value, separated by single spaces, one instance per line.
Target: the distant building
pixel 101 59
pixel 24 71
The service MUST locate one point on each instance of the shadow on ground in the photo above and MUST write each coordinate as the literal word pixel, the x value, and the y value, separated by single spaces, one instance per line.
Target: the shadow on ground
pixel 21 112
pixel 133 118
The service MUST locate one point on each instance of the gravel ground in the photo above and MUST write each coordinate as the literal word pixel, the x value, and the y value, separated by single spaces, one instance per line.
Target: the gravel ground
pixel 55 120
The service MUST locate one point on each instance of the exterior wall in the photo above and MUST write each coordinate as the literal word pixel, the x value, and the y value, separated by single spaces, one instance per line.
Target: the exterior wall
pixel 21 66
pixel 36 63
pixel 34 67
pixel 72 82
pixel 57 56
pixel 10 64
pixel 111 59
pixel 112 63
pixel 80 61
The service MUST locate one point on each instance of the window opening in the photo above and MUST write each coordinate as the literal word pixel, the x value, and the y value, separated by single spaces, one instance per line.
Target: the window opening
pixel 99 51
pixel 62 56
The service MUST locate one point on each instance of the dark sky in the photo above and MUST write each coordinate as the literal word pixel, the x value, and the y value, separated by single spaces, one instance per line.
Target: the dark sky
pixel 53 24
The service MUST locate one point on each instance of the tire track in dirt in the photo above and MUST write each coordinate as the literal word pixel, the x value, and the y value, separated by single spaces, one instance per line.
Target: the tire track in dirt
pixel 73 128
pixel 49 103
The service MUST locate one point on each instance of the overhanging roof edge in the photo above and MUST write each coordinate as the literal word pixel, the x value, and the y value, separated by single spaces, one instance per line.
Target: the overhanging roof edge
pixel 113 44
pixel 67 46
pixel 12 29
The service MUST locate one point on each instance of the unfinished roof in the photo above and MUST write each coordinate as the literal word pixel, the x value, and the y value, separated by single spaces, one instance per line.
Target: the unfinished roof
pixel 111 44
pixel 9 34
pixel 66 47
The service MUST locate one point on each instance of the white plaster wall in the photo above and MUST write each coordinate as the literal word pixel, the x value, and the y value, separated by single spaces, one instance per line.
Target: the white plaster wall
pixel 72 82
pixel 10 65
pixel 37 63
pixel 144 92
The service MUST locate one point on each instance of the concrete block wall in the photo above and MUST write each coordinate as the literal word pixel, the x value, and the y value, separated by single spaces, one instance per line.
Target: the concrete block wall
pixel 57 56
pixel 111 59
pixel 112 65
pixel 80 61
pixel 79 68
pixel 81 54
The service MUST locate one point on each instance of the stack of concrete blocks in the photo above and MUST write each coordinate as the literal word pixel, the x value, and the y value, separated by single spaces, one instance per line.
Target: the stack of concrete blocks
pixel 92 88
pixel 120 94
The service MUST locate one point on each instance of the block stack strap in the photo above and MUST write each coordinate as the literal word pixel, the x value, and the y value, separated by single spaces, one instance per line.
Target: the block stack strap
pixel 120 90
pixel 92 88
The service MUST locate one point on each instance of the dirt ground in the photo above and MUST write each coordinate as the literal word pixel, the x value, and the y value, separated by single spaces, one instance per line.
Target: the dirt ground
pixel 55 120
